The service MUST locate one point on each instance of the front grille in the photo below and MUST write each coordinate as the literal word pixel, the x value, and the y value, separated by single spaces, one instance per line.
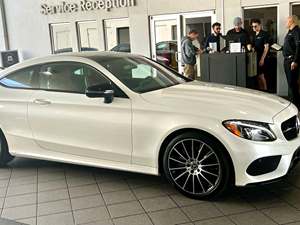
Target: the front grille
pixel 290 128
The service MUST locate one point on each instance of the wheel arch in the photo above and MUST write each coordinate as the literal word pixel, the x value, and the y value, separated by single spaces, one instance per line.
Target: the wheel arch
pixel 175 133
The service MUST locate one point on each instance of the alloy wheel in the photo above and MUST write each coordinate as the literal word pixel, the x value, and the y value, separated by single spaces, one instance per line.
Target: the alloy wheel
pixel 194 167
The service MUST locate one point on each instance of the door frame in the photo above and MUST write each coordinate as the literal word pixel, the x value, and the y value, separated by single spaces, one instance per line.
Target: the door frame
pixel 153 20
pixel 278 85
pixel 181 29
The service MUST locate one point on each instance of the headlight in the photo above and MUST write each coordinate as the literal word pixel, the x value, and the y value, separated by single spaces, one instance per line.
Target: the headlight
pixel 254 131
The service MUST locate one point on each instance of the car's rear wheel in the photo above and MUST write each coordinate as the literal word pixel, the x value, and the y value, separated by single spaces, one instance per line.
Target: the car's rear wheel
pixel 196 165
pixel 5 157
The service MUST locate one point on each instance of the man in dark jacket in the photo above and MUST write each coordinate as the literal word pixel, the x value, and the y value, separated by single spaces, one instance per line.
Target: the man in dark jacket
pixel 291 53
pixel 214 37
pixel 238 34
pixel 189 52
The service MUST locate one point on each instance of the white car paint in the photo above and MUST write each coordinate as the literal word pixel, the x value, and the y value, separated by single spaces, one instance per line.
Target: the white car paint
pixel 129 134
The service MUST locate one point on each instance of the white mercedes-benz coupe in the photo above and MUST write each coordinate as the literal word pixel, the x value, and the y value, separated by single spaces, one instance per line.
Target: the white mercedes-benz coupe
pixel 127 112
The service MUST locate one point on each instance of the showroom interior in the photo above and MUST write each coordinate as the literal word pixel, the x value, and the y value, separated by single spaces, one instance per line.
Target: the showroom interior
pixel 36 192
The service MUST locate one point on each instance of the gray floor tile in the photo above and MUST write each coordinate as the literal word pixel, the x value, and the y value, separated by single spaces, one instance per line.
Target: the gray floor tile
pixel 48 196
pixel 142 219
pixel 56 219
pixel 51 169
pixel 216 221
pixel 118 197
pixel 168 217
pixel 30 221
pixel 263 199
pixel 283 215
pixel 251 218
pixel 159 203
pixel 149 192
pixel 84 190
pixel 201 211
pixel 80 181
pixel 108 177
pixel 10 222
pixel 82 172
pixel 292 196
pixel 181 200
pixel 91 215
pixel 102 222
pixel 52 185
pixel 87 202
pixel 19 200
pixel 5 173
pixel 3 183
pixel 23 180
pixel 23 172
pixel 21 189
pixel 118 185
pixel 3 192
pixel 233 205
pixel 20 212
pixel 125 209
pixel 144 181
pixel 1 202
pixel 54 207
pixel 47 177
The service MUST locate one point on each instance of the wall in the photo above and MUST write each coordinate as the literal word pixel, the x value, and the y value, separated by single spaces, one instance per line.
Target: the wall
pixel 28 30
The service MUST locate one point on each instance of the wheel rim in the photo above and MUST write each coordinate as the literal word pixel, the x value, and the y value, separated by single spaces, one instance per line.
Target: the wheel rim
pixel 194 167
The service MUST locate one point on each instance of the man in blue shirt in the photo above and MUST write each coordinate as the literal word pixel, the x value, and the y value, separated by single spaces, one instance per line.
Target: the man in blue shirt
pixel 214 37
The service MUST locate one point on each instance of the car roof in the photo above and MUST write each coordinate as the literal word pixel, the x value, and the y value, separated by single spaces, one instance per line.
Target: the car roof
pixel 92 55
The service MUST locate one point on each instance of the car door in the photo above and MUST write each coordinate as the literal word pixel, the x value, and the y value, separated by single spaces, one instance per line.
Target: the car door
pixel 63 119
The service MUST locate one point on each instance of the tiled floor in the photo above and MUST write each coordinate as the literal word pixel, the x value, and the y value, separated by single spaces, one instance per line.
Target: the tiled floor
pixel 44 193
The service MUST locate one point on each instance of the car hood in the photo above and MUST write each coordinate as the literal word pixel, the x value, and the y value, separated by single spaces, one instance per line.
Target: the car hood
pixel 219 101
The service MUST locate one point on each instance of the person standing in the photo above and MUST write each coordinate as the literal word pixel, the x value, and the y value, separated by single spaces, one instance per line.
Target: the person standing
pixel 291 53
pixel 261 44
pixel 214 37
pixel 239 34
pixel 189 53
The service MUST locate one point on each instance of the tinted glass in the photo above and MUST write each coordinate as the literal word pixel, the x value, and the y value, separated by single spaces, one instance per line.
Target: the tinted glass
pixel 25 78
pixel 71 77
pixel 140 74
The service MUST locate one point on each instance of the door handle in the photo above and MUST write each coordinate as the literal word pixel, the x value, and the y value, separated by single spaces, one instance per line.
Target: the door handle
pixel 41 102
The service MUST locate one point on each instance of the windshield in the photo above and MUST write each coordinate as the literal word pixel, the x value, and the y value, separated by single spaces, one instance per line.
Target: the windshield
pixel 140 74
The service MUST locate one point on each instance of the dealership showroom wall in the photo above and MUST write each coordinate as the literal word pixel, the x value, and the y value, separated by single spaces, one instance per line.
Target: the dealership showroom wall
pixel 127 188
pixel 25 21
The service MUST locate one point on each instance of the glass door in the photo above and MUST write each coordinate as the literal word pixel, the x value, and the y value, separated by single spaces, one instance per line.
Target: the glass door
pixel 167 32
pixel 201 22
pixel 165 38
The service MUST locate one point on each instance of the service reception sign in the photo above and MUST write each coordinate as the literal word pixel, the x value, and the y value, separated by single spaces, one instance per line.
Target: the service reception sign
pixel 85 5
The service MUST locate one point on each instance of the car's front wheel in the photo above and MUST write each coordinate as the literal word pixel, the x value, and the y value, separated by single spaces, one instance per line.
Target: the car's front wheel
pixel 196 164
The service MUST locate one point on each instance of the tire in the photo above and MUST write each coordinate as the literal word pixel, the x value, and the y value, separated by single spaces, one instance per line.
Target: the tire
pixel 5 157
pixel 197 166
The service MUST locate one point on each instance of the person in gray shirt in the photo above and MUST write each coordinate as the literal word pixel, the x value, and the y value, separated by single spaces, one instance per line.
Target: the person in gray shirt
pixel 189 52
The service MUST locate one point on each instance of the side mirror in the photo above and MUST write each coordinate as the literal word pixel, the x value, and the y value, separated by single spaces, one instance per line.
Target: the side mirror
pixel 108 95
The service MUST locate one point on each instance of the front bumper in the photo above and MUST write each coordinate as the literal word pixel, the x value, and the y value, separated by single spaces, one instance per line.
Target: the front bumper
pixel 245 153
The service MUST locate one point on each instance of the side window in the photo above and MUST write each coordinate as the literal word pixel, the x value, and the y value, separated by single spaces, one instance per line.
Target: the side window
pixel 73 77
pixel 24 79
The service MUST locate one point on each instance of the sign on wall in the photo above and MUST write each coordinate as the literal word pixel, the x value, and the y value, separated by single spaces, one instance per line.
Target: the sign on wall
pixel 85 5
